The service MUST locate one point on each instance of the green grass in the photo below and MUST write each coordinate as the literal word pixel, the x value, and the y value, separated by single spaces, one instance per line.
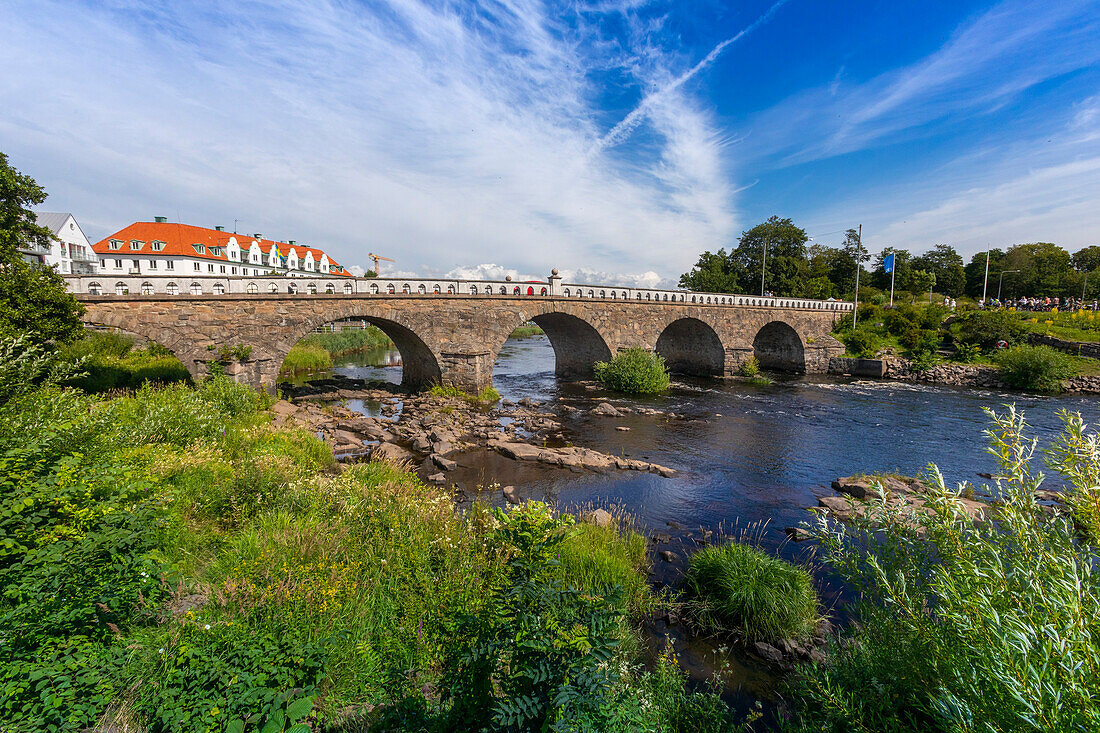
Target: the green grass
pixel 634 371
pixel 349 341
pixel 526 331
pixel 306 357
pixel 740 588
pixel 1072 326
pixel 487 396
pixel 594 557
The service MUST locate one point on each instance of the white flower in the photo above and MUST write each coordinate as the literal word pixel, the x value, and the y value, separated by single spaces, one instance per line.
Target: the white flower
pixel 207 627
pixel 162 651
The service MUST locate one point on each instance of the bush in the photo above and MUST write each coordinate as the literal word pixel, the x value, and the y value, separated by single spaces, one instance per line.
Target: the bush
pixel 634 371
pixel 108 361
pixel 986 328
pixel 1038 368
pixel 750 367
pixel 967 353
pixel 861 342
pixel 964 625
pixel 742 588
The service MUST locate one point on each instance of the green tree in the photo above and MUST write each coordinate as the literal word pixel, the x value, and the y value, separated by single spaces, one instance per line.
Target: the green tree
pixel 1042 266
pixel 826 265
pixel 852 251
pixel 880 278
pixel 787 267
pixel 1087 259
pixel 974 273
pixel 946 264
pixel 714 273
pixel 33 299
pixel 919 282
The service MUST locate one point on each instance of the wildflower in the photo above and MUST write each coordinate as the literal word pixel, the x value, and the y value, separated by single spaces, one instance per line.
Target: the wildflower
pixel 207 627
pixel 161 651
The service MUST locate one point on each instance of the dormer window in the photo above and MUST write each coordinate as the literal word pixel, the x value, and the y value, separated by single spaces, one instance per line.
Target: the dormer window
pixel 158 246
pixel 216 251
pixel 199 248
pixel 114 244
pixel 136 245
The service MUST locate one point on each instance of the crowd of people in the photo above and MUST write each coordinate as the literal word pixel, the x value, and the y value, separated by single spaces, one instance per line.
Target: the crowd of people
pixel 1024 303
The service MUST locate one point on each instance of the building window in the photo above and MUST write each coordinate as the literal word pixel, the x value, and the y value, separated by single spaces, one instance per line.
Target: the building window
pixel 255 258
pixel 196 288
pixel 147 288
pixel 347 288
pixel 219 289
pixel 198 267
pixel 330 289
pixel 172 289
pixel 234 269
pixel 114 244
pixel 136 245
pixel 273 288
pixel 158 246
pixel 94 289
pixel 169 265
pixel 312 288
pixel 292 288
pixel 223 269
pixel 137 264
pixel 152 264
pixel 103 263
pixel 122 288
pixel 118 264
pixel 199 248
pixel 252 289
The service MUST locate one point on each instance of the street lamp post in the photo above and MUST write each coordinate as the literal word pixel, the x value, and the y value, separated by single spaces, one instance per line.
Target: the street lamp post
pixel 1001 280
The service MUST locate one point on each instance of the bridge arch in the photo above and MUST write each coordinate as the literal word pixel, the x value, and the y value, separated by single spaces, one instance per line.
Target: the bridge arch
pixel 420 367
pixel 577 344
pixel 778 346
pixel 691 346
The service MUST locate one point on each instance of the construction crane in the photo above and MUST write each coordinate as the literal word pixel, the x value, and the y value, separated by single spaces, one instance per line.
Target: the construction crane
pixel 376 258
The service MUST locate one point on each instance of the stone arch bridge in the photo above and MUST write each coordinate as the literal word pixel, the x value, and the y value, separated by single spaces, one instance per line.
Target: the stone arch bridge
pixel 451 331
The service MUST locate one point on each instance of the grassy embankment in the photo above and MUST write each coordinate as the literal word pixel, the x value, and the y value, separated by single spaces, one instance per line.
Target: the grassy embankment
pixel 527 330
pixel 316 351
pixel 110 362
pixel 1072 326
pixel 170 560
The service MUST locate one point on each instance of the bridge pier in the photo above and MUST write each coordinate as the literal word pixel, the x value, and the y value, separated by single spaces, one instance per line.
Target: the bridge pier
pixel 470 371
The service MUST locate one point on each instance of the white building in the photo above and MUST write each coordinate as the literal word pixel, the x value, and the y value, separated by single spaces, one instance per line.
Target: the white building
pixel 162 248
pixel 71 254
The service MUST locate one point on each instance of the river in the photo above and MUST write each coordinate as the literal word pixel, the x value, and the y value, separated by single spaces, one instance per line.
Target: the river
pixel 745 454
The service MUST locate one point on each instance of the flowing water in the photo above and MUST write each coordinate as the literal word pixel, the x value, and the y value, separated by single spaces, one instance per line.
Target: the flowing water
pixel 745 455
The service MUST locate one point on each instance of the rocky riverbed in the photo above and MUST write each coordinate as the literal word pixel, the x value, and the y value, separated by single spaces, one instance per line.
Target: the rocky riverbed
pixel 431 432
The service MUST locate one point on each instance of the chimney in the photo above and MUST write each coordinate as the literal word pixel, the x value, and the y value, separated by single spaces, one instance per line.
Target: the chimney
pixel 160 219
pixel 220 228
pixel 292 243
pixel 257 235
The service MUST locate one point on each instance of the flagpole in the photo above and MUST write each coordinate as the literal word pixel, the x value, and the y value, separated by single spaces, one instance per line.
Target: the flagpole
pixel 985 283
pixel 893 269
pixel 859 244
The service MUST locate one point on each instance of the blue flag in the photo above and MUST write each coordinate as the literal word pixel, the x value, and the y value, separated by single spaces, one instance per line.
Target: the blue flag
pixel 888 264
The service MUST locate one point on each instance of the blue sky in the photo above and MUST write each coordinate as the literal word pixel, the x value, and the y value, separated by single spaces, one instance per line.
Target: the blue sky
pixel 614 140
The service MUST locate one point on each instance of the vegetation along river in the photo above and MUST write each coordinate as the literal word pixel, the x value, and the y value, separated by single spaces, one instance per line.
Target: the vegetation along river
pixel 745 454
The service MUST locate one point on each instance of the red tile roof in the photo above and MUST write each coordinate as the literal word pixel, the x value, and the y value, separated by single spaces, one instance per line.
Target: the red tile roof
pixel 179 238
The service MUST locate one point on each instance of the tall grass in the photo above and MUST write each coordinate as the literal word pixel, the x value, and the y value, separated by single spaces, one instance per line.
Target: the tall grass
pixel 306 357
pixel 966 626
pixel 109 361
pixel 349 341
pixel 741 588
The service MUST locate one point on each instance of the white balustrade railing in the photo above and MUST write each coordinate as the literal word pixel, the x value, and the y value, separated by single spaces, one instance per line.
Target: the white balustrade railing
pixel 159 285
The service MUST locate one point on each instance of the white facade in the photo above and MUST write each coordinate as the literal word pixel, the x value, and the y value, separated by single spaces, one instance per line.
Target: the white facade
pixel 72 254
pixel 239 256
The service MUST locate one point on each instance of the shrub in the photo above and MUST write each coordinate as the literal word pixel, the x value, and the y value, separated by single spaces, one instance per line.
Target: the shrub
pixel 918 340
pixel 922 361
pixel 750 367
pixel 634 371
pixel 1038 368
pixel 967 353
pixel 965 625
pixel 740 587
pixel 861 342
pixel 986 328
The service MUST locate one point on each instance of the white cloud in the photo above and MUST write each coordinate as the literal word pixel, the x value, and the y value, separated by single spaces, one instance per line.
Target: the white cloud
pixel 431 134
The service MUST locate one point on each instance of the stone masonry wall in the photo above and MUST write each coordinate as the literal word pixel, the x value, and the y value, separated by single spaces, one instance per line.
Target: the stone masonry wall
pixel 450 339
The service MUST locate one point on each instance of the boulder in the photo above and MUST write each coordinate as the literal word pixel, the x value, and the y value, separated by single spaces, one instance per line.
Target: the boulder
pixel 667 555
pixel 437 478
pixel 391 453
pixel 600 518
pixel 798 534
pixel 510 495
pixel 444 463
pixel 859 487
pixel 605 409
pixel 767 652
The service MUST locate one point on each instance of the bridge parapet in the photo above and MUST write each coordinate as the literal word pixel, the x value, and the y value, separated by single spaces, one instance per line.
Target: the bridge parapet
pixel 107 285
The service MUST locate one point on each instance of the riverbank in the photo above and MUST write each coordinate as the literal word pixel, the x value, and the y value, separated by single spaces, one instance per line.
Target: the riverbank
pixel 977 376
pixel 238 573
